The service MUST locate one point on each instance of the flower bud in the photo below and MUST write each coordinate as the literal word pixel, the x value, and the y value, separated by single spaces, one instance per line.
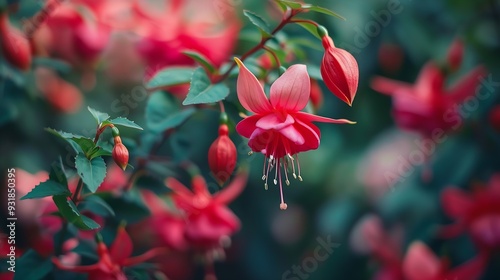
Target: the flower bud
pixel 222 156
pixel 14 46
pixel 120 153
pixel 455 54
pixel 339 70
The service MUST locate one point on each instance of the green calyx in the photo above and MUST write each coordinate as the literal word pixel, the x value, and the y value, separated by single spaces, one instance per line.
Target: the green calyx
pixel 322 31
pixel 115 131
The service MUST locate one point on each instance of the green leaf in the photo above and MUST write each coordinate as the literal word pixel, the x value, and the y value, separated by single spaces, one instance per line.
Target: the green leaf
pixel 322 10
pixel 68 210
pixel 123 122
pixel 92 171
pixel 99 152
pixel 12 74
pixel 39 267
pixel 310 27
pixel 58 174
pixel 171 76
pixel 96 205
pixel 99 116
pixel 259 22
pixel 54 64
pixel 201 59
pixel 86 144
pixel 62 134
pixel 202 91
pixel 47 188
pixel 291 4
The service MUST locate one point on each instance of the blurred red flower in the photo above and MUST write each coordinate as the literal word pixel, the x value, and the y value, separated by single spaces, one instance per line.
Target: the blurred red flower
pixel 420 263
pixel 477 213
pixel 113 260
pixel 428 105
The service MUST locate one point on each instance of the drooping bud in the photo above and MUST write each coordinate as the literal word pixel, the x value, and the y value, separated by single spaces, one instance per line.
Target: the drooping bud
pixel 120 152
pixel 316 95
pixel 455 54
pixel 339 69
pixel 222 156
pixel 13 45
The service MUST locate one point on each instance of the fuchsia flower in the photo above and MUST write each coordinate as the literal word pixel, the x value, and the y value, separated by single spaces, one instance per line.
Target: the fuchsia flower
pixel 477 213
pixel 202 221
pixel 420 263
pixel 209 220
pixel 279 129
pixel 113 260
pixel 428 105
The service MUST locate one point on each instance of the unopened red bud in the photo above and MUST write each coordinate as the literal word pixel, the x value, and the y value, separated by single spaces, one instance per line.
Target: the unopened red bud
pixel 120 153
pixel 222 156
pixel 13 45
pixel 340 72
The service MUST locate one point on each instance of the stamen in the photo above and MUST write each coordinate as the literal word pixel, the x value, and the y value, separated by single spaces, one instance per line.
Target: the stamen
pixel 265 186
pixel 250 153
pixel 276 172
pixel 264 170
pixel 287 182
pixel 293 166
pixel 283 205
pixel 298 167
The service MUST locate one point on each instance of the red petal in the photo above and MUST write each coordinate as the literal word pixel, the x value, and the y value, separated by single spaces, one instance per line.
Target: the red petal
pixel 85 268
pixel 247 126
pixel 314 118
pixel 420 263
pixel 456 203
pixel 389 86
pixel 145 257
pixel 291 91
pixel 274 121
pixel 467 85
pixel 470 270
pixel 250 92
pixel 122 247
pixel 229 193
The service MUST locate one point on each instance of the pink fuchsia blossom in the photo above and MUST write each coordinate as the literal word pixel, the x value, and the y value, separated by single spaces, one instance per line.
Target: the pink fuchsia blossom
pixel 428 105
pixel 477 213
pixel 420 263
pixel 278 129
pixel 113 260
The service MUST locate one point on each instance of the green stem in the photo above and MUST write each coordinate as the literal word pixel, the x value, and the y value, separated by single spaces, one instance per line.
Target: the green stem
pixel 286 19
pixel 78 190
pixel 278 63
